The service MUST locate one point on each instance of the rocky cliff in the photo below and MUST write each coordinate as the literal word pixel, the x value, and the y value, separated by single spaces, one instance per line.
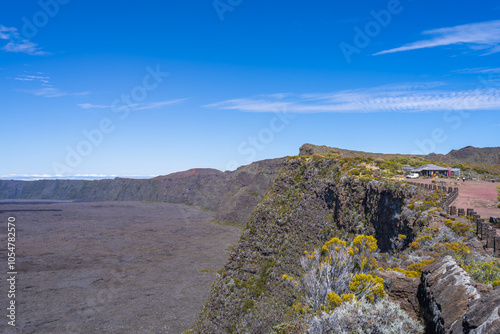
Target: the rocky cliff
pixel 313 199
pixel 453 302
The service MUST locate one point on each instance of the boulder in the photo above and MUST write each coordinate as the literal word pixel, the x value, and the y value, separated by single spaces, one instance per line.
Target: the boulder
pixel 483 316
pixel 444 293
pixel 402 290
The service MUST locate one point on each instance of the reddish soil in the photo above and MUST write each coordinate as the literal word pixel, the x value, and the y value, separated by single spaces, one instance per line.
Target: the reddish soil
pixel 114 267
pixel 478 195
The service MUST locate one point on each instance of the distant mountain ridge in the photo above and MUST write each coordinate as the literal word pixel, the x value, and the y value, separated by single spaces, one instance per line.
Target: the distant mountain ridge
pixel 487 158
pixel 232 194
pixel 486 155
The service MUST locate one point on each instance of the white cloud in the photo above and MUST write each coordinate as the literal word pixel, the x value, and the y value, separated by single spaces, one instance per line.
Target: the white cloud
pixel 92 106
pixel 6 32
pixel 477 36
pixel 403 98
pixel 18 44
pixel 27 77
pixel 80 93
pixel 155 105
pixel 133 107
pixel 480 70
pixel 33 177
pixel 47 92
pixel 46 89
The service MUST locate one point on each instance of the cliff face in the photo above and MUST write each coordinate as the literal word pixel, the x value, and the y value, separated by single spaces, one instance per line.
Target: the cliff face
pixel 310 202
pixel 233 195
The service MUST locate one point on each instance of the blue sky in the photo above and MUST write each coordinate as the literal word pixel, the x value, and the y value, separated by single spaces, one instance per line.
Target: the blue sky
pixel 93 89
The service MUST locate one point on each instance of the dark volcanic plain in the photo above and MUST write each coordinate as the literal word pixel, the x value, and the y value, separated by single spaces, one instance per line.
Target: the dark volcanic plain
pixel 111 267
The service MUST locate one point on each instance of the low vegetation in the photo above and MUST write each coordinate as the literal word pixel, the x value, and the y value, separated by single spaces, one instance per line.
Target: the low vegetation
pixel 342 293
pixel 331 209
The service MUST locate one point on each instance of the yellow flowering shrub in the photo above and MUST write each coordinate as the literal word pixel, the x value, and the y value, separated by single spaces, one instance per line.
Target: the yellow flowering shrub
pixel 424 238
pixel 413 270
pixel 336 242
pixel 334 300
pixel 364 243
pixel 453 248
pixel 418 266
pixel 407 273
pixel 361 250
pixel 370 286
pixel 483 272
pixel 460 228
pixel 414 245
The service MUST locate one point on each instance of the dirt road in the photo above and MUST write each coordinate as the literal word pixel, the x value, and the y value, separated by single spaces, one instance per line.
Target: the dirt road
pixel 478 195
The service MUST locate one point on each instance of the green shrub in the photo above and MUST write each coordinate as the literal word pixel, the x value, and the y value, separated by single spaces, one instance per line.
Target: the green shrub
pixel 355 172
pixel 484 272
pixel 247 305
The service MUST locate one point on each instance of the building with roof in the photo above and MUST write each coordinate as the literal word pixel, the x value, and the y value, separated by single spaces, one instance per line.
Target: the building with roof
pixel 456 171
pixel 431 170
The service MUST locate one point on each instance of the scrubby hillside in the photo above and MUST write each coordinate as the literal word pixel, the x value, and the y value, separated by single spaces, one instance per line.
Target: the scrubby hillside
pixel 480 160
pixel 233 195
pixel 314 199
pixel 486 155
pixel 333 248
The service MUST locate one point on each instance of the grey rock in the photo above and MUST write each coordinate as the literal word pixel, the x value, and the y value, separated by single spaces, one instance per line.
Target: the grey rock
pixel 444 293
pixel 483 316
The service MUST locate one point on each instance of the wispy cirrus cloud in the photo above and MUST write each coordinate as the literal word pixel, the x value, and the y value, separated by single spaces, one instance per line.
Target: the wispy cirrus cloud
pixel 135 106
pixel 92 106
pixel 401 98
pixel 39 77
pixel 32 177
pixel 477 36
pixel 18 44
pixel 40 85
pixel 46 92
pixel 480 70
pixel 51 92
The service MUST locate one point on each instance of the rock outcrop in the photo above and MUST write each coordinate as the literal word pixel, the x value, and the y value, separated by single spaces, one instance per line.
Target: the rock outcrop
pixel 444 294
pixel 483 316
pixel 403 291
pixel 310 202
